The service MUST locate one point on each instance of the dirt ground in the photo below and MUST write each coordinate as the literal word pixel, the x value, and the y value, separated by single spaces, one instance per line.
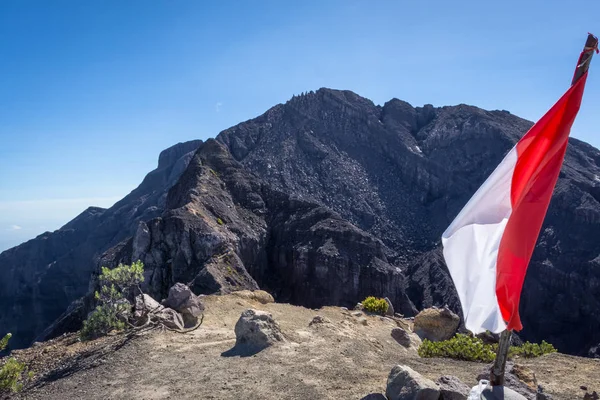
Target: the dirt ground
pixel 340 359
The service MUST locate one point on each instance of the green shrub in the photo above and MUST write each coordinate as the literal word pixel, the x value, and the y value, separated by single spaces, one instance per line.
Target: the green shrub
pixel 464 347
pixel 531 350
pixel 112 309
pixel 11 370
pixel 375 305
pixel 220 221
pixel 460 347
pixel 4 341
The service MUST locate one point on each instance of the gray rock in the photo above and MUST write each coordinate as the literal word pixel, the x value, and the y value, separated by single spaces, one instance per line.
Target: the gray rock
pixel 256 330
pixel 406 384
pixel 317 320
pixel 390 310
pixel 501 393
pixel 541 394
pixel 58 268
pixel 170 318
pixel 436 324
pixel 452 388
pixel 511 380
pixel 145 304
pixel 183 300
pixel 401 336
pixel 374 396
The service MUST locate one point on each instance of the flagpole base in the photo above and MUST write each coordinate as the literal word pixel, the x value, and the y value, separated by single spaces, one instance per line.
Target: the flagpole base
pixel 497 372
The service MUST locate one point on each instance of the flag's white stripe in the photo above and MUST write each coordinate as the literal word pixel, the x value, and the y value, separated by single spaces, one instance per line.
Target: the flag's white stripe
pixel 471 245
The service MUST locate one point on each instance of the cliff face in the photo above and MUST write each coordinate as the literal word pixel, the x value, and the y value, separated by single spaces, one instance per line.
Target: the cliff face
pixel 225 229
pixel 328 199
pixel 402 174
pixel 40 278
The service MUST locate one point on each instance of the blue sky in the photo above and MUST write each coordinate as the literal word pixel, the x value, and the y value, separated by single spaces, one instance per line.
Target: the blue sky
pixel 92 91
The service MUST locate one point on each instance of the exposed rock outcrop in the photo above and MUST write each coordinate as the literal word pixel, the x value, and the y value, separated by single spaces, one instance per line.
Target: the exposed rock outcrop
pixel 326 199
pixel 42 277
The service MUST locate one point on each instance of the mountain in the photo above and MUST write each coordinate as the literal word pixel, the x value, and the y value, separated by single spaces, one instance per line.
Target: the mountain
pixel 329 198
pixel 40 278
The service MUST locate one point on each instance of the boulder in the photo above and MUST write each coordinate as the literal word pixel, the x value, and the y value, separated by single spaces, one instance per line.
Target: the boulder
pixel 401 336
pixel 256 330
pixel 170 318
pixel 374 396
pixel 406 384
pixel 263 297
pixel 512 381
pixel 183 300
pixel 390 310
pixel 145 304
pixel 257 295
pixel 436 324
pixel 452 388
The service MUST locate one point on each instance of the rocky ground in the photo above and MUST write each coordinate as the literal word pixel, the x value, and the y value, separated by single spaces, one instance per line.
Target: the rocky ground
pixel 345 356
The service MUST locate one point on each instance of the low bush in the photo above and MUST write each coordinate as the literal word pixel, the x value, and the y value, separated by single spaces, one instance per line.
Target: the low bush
pixel 468 348
pixel 531 350
pixel 11 370
pixel 112 309
pixel 375 305
pixel 460 347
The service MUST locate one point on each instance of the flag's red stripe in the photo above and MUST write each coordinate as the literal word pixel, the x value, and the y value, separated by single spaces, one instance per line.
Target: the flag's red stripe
pixel 540 155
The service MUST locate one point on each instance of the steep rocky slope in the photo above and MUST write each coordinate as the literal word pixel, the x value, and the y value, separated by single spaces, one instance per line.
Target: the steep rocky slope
pixel 329 198
pixel 40 278
pixel 403 173
pixel 225 229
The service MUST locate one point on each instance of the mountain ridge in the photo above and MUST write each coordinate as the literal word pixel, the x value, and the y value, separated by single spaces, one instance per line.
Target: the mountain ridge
pixel 392 174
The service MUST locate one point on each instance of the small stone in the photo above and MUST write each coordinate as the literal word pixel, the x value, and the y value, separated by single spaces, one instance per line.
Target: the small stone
pixel 363 321
pixel 344 309
pixel 582 387
pixel 357 314
pixel 319 320
pixel 401 336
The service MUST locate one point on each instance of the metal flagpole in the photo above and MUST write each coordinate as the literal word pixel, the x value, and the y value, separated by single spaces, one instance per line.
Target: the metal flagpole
pixel 497 372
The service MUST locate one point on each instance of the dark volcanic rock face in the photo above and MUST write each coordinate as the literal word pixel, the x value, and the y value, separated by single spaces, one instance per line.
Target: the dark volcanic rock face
pixel 225 229
pixel 40 278
pixel 325 200
pixel 403 173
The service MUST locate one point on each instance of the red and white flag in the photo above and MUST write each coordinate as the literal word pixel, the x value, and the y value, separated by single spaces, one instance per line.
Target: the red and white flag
pixel 488 246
